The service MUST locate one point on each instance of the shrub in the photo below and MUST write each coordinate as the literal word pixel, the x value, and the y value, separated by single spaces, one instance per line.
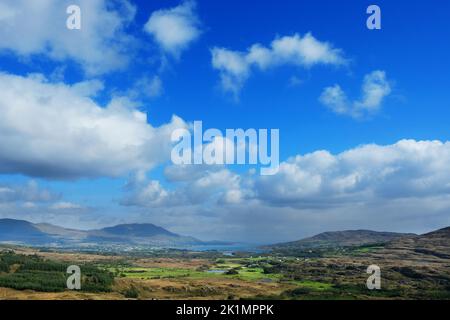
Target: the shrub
pixel 131 293
pixel 232 272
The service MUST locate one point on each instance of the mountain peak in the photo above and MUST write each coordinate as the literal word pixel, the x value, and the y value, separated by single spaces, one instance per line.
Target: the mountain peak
pixel 20 230
pixel 146 234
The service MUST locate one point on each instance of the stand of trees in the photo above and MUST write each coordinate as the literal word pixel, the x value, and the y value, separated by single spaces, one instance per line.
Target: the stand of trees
pixel 23 272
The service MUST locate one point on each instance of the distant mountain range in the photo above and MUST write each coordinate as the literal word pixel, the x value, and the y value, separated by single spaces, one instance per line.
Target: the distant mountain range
pixel 43 234
pixel 347 238
pixel 149 235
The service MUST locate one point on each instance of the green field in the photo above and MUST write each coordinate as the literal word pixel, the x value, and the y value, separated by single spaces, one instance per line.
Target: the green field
pixel 219 270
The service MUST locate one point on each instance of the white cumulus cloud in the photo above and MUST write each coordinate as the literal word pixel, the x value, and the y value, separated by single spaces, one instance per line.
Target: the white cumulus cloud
pixel 174 29
pixel 30 28
pixel 191 185
pixel 366 174
pixel 56 130
pixel 375 89
pixel 306 51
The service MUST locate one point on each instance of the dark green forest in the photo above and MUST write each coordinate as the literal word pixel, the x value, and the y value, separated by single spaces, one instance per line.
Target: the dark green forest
pixel 23 272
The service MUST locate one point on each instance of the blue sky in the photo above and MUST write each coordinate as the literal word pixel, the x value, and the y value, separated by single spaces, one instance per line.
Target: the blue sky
pixel 391 84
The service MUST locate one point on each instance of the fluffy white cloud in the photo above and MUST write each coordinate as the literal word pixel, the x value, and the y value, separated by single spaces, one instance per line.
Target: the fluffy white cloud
pixel 174 29
pixel 222 186
pixel 407 169
pixel 39 27
pixel 233 67
pixel 193 185
pixel 374 89
pixel 306 51
pixel 147 193
pixel 366 174
pixel 58 131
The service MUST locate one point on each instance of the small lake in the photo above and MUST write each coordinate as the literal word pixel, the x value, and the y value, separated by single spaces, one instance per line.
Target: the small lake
pixel 216 271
